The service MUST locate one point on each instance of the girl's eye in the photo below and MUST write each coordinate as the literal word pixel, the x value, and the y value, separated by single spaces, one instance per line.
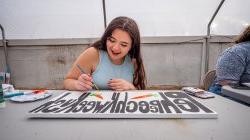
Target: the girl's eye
pixel 124 45
pixel 111 40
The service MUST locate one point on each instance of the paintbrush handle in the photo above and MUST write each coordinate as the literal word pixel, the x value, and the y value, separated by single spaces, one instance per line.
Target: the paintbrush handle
pixel 82 71
pixel 95 86
pixel 80 68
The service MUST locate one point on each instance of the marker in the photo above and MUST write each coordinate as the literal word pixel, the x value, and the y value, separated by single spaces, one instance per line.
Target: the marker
pixel 12 94
pixel 82 71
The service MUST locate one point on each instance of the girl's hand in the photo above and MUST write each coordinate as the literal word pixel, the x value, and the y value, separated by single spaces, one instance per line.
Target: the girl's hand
pixel 120 85
pixel 84 82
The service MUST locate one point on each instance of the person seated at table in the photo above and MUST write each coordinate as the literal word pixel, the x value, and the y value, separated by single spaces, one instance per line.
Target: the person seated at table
pixel 233 66
pixel 114 62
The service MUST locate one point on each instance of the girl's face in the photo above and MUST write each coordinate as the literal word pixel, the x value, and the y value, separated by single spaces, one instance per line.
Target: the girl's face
pixel 118 45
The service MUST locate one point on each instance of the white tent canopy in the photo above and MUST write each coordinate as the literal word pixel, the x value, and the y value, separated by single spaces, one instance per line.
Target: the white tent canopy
pixel 42 19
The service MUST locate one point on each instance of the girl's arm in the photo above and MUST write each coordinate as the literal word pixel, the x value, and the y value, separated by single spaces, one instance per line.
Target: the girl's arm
pixel 75 80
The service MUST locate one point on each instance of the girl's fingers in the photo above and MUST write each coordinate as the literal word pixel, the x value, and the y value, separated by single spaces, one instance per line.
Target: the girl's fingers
pixel 117 84
pixel 114 84
pixel 120 84
pixel 116 87
pixel 85 77
pixel 85 84
pixel 79 86
pixel 86 81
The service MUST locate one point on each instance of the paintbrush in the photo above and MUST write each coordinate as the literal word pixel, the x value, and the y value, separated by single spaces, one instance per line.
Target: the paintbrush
pixel 82 71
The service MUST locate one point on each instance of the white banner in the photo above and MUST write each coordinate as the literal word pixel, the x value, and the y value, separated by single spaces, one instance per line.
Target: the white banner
pixel 126 104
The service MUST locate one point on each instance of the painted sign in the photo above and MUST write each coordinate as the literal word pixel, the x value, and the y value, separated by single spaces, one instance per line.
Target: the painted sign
pixel 126 104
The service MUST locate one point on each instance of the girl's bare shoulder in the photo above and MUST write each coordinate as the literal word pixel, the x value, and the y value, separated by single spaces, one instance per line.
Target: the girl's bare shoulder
pixel 90 54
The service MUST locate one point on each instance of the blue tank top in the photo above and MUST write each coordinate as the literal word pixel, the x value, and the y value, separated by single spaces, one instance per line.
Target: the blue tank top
pixel 106 70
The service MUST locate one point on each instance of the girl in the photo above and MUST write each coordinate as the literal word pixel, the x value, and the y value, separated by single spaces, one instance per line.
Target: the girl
pixel 233 66
pixel 113 62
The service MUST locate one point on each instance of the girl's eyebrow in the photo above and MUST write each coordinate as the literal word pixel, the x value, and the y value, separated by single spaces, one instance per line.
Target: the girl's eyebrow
pixel 121 41
pixel 112 37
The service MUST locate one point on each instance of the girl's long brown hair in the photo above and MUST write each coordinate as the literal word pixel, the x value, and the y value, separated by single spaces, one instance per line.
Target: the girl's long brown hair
pixel 244 36
pixel 130 26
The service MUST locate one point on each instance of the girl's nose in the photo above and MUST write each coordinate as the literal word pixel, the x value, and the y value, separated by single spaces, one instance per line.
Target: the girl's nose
pixel 116 47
